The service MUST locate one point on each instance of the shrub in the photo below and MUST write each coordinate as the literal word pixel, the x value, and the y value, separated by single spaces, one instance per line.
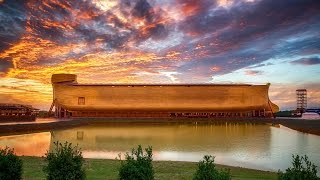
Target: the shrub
pixel 65 162
pixel 301 169
pixel 207 170
pixel 137 166
pixel 10 165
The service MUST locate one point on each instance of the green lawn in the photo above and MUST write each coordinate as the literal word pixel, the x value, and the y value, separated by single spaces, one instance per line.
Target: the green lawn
pixel 167 170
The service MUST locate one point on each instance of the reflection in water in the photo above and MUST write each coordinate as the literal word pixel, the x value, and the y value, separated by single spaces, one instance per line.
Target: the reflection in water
pixel 28 144
pixel 246 145
pixel 285 142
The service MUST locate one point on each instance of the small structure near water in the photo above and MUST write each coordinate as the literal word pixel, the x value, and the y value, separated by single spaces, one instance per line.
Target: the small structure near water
pixel 301 100
pixel 17 112
pixel 310 115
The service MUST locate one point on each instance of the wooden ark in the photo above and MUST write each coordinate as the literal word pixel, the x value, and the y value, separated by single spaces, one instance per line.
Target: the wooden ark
pixel 72 99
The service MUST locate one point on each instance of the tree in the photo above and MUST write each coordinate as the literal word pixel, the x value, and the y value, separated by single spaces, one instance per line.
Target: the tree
pixel 65 162
pixel 207 171
pixel 10 165
pixel 302 169
pixel 137 166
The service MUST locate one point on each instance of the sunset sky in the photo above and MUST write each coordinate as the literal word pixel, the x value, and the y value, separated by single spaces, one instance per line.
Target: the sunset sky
pixel 160 41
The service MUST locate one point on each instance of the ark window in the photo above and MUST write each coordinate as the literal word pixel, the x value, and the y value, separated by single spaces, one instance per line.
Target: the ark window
pixel 81 101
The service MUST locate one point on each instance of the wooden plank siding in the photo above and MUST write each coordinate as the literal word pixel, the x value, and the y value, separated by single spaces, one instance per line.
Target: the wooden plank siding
pixel 161 100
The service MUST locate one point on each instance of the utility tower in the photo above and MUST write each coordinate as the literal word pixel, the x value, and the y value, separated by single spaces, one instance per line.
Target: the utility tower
pixel 301 100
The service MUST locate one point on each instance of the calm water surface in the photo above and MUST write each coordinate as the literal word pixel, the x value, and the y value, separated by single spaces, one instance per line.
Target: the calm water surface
pixel 254 146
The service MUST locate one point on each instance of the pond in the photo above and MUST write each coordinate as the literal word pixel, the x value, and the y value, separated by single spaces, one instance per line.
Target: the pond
pixel 257 146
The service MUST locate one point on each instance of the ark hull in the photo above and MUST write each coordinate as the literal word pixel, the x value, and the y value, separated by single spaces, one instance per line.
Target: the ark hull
pixel 163 100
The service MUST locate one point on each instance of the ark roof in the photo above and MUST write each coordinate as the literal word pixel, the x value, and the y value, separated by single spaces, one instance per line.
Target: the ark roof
pixel 132 85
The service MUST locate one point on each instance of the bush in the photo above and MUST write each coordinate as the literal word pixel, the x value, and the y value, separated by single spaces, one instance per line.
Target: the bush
pixel 301 169
pixel 207 170
pixel 137 166
pixel 10 165
pixel 65 162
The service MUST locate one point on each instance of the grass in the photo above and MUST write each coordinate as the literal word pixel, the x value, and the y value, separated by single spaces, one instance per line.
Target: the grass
pixel 168 170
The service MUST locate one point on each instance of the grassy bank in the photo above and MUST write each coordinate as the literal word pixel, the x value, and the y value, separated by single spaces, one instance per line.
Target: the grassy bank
pixel 108 169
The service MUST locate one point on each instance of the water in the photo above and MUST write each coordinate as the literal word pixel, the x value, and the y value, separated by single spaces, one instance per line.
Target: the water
pixel 254 146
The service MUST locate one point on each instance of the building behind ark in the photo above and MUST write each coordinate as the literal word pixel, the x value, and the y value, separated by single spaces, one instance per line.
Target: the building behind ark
pixel 72 99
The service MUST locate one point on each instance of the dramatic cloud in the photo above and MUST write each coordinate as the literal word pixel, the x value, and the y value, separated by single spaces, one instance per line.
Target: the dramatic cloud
pixel 5 65
pixel 307 61
pixel 260 65
pixel 153 41
pixel 12 22
pixel 253 73
pixel 288 101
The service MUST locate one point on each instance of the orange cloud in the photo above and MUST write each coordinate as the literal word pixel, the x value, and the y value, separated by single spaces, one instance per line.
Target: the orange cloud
pixel 253 72
pixel 215 68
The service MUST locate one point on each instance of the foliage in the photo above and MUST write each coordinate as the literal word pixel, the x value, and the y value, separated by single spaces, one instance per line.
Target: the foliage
pixel 284 114
pixel 137 166
pixel 65 162
pixel 207 170
pixel 10 165
pixel 302 169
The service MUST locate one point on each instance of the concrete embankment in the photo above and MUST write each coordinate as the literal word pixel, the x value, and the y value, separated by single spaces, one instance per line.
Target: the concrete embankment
pixel 306 126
